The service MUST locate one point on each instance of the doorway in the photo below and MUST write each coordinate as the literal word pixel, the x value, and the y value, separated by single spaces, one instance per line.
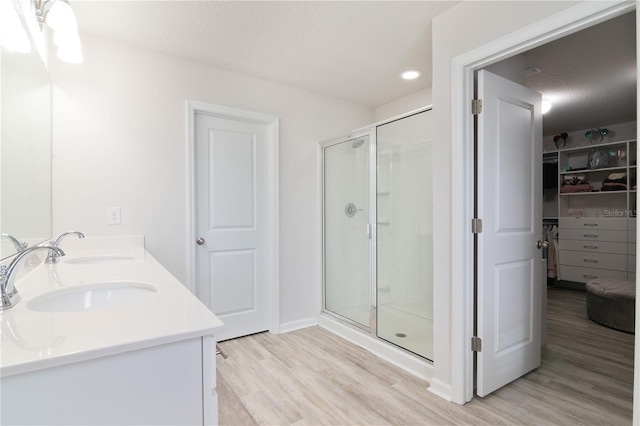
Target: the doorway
pixel 463 78
pixel 234 216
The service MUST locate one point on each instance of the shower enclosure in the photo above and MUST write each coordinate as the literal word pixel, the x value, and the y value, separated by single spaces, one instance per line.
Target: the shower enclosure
pixel 377 231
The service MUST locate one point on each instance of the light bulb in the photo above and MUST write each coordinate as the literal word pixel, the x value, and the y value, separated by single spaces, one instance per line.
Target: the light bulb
pixel 546 106
pixel 60 16
pixel 70 54
pixel 69 39
pixel 12 34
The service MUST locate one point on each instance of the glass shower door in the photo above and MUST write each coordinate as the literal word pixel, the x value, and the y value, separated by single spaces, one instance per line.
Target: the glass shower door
pixel 347 288
pixel 405 233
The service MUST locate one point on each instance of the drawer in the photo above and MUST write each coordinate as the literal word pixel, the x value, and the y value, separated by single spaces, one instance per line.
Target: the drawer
pixel 631 263
pixel 631 248
pixel 616 262
pixel 593 235
pixel 583 275
pixel 594 246
pixel 631 236
pixel 631 276
pixel 631 224
pixel 593 223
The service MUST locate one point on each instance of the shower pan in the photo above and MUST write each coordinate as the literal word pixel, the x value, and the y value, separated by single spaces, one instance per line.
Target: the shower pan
pixel 378 232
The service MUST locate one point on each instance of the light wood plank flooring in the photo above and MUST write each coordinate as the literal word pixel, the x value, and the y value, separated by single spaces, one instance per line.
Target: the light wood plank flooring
pixel 311 376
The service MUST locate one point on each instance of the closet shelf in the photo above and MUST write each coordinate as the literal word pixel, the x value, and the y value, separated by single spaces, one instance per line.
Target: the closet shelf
pixel 603 169
pixel 594 146
pixel 594 193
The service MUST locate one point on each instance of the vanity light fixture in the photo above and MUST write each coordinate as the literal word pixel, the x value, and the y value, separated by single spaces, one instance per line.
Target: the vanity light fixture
pixel 411 74
pixel 59 16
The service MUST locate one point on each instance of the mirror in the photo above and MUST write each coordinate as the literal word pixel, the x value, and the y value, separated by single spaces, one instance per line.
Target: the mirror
pixel 25 148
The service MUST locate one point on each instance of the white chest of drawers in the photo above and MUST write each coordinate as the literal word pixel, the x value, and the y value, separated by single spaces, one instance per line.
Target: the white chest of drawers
pixel 591 248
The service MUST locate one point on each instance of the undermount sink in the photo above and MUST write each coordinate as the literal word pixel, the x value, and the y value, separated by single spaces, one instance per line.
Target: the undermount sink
pixel 93 260
pixel 92 296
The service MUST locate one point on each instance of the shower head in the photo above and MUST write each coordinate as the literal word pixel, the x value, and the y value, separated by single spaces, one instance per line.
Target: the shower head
pixel 357 143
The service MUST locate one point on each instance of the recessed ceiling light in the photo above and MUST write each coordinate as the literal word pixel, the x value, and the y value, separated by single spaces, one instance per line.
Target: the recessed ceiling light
pixel 411 74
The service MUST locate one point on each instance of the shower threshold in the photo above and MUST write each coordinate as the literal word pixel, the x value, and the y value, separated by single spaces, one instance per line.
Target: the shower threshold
pixel 408 361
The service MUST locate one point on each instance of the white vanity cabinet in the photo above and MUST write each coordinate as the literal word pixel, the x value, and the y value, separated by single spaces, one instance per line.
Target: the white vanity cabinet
pixel 143 359
pixel 170 384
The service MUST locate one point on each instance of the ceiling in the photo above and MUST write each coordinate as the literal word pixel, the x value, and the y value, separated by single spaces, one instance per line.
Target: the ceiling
pixel 355 50
pixel 590 76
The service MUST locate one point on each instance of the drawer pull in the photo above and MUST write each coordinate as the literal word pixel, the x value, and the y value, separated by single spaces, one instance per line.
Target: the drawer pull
pixel 590 247
pixel 590 260
pixel 590 235
pixel 590 224
pixel 590 277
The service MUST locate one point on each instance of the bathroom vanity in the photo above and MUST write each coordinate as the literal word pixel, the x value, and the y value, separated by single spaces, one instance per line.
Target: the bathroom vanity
pixel 106 336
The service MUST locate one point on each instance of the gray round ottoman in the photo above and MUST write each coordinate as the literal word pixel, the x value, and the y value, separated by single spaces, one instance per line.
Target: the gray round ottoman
pixel 612 302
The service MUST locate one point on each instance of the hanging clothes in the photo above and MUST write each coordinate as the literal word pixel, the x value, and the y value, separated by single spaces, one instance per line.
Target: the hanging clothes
pixel 551 236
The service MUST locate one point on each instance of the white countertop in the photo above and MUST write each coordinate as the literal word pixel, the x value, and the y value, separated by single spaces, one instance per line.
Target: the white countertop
pixel 32 340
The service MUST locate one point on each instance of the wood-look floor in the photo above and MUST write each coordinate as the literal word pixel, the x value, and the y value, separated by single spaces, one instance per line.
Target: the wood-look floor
pixel 311 376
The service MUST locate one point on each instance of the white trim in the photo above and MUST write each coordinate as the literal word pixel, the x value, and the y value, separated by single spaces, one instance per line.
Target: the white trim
pixel 413 364
pixel 440 388
pixel 394 118
pixel 578 17
pixel 273 124
pixel 287 327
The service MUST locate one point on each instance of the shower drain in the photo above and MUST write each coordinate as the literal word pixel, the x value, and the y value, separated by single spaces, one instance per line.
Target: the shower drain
pixel 401 335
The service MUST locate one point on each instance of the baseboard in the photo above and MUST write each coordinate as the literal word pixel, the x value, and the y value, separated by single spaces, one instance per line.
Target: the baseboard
pixel 441 389
pixel 413 364
pixel 297 325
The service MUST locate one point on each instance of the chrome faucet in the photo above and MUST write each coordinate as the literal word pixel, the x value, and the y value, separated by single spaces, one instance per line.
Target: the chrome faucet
pixel 8 294
pixel 51 258
pixel 19 246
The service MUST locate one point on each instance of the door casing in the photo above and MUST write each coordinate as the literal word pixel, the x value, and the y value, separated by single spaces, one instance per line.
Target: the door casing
pixel 574 19
pixel 272 123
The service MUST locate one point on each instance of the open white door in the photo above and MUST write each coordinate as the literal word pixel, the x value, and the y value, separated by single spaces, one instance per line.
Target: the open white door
pixel 509 200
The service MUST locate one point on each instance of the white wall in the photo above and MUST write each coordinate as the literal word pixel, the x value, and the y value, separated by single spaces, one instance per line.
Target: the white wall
pixel 119 139
pixel 455 32
pixel 403 105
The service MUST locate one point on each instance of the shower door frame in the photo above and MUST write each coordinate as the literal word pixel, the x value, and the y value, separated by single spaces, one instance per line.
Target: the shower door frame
pixel 369 131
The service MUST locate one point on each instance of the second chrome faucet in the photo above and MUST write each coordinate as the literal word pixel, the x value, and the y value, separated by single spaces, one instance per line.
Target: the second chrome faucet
pixel 52 258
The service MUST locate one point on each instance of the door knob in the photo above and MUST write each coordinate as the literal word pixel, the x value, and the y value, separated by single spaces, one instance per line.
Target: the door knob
pixel 200 241
pixel 542 244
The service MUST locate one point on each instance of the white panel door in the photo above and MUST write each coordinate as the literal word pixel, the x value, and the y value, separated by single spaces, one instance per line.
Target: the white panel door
pixel 232 222
pixel 510 205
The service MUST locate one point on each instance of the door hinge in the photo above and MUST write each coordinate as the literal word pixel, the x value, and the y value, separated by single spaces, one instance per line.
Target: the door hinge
pixel 476 344
pixel 476 106
pixel 476 225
